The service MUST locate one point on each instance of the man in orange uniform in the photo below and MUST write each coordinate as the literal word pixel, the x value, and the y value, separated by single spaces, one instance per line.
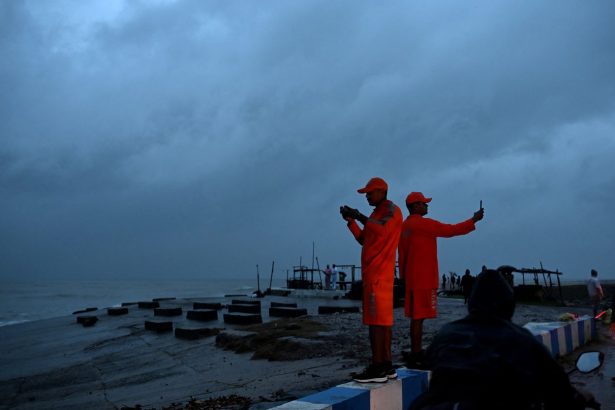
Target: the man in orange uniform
pixel 379 238
pixel 418 266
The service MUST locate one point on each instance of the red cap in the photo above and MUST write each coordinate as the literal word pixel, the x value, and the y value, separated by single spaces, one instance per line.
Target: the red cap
pixel 417 197
pixel 373 184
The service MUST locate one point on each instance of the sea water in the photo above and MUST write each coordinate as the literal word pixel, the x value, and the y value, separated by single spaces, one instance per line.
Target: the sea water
pixel 23 301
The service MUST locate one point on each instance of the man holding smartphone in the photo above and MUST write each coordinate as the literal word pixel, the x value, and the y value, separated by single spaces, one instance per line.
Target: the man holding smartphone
pixel 379 239
pixel 418 266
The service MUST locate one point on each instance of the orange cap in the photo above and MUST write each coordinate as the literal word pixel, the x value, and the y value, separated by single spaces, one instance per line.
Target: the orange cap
pixel 373 184
pixel 417 197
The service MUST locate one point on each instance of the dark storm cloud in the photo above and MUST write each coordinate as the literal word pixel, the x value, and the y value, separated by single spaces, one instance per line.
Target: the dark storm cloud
pixel 202 138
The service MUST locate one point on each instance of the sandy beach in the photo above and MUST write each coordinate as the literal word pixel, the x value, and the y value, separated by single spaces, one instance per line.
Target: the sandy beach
pixel 117 363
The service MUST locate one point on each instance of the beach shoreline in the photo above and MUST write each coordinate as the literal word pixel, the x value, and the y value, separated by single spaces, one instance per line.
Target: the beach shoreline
pixel 57 363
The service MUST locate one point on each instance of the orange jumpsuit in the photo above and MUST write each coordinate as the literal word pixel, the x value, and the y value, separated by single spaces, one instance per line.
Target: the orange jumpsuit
pixel 379 237
pixel 418 251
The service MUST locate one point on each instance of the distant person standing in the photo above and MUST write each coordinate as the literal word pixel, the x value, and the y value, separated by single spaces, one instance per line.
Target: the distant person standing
pixel 334 276
pixel 467 282
pixel 418 265
pixel 342 280
pixel 443 282
pixel 378 238
pixel 327 272
pixel 594 290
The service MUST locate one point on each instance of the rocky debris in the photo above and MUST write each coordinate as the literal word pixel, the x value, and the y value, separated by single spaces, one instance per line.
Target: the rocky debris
pixel 284 339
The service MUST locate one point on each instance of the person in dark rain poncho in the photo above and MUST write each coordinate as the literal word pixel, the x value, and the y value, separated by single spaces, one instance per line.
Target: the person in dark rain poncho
pixel 485 361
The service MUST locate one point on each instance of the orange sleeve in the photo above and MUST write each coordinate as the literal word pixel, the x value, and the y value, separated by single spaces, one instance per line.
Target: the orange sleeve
pixel 439 229
pixel 356 231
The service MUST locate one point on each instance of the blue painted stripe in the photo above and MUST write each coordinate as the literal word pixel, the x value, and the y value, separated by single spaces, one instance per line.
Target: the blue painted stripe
pixel 568 337
pixel 413 384
pixel 554 343
pixel 341 398
pixel 581 325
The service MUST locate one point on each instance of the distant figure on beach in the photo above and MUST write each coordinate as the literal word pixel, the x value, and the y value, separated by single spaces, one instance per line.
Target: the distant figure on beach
pixel 334 273
pixel 467 282
pixel 378 238
pixel 327 272
pixel 443 282
pixel 418 265
pixel 484 361
pixel 594 290
pixel 342 280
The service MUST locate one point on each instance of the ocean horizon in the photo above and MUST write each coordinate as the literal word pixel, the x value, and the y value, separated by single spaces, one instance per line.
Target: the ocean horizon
pixel 36 299
pixel 29 300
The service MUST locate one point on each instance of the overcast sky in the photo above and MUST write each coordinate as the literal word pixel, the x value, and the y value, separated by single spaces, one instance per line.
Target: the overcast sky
pixel 200 138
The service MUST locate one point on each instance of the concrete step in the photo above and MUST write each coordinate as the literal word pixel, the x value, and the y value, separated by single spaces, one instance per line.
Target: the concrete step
pixel 245 302
pixel 148 305
pixel 202 315
pixel 177 311
pixel 242 318
pixel 280 304
pixel 287 312
pixel 244 308
pixel 117 311
pixel 206 305
pixel 90 309
pixel 87 321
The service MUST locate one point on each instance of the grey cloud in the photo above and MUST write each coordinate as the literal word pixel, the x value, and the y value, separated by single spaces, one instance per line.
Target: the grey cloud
pixel 190 136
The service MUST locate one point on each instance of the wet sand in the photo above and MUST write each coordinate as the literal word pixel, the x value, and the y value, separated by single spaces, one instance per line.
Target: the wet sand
pixel 57 363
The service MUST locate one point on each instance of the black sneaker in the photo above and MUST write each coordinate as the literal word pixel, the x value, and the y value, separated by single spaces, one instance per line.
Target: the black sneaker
pixel 390 370
pixel 372 374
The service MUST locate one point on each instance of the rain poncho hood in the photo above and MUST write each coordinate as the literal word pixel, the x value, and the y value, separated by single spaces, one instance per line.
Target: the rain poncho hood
pixel 492 296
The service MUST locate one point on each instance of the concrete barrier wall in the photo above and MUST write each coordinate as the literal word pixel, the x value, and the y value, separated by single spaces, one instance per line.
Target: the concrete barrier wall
pixel 394 394
pixel 561 338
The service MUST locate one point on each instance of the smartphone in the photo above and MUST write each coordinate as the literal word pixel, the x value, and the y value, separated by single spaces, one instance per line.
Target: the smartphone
pixel 481 204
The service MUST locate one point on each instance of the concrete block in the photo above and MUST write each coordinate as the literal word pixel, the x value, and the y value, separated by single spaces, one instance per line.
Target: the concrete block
pixel 168 311
pixel 204 305
pixel 244 308
pixel 287 312
pixel 118 311
pixel 87 321
pixel 90 309
pixel 202 315
pixel 246 302
pixel 242 318
pixel 281 304
pixel 148 305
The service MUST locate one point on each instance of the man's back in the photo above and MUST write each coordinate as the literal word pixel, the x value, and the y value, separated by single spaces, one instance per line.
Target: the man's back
pixel 484 361
pixel 592 286
pixel 493 363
